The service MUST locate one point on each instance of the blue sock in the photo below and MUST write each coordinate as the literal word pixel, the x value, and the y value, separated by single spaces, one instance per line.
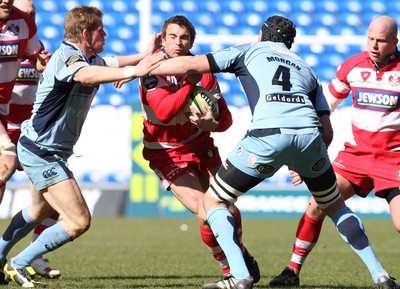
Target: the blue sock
pixel 21 224
pixel 352 231
pixel 49 240
pixel 223 226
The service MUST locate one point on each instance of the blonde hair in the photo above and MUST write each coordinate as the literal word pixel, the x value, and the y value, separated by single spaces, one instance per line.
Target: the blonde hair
pixel 79 19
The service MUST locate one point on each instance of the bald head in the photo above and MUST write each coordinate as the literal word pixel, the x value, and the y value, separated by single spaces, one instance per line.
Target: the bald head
pixel 382 39
pixel 26 5
pixel 384 24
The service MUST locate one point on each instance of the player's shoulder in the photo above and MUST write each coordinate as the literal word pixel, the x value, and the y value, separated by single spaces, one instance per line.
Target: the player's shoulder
pixel 19 14
pixel 357 59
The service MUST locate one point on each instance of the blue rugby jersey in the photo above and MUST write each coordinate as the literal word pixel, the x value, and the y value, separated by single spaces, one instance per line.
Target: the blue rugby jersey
pixel 61 104
pixel 282 90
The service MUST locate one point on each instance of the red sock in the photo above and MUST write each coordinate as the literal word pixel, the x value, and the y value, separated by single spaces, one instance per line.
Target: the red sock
pixel 211 243
pixel 307 235
pixel 50 221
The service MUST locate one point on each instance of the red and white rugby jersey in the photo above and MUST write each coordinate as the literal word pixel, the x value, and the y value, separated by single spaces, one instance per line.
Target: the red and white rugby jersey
pixel 23 95
pixel 375 100
pixel 163 99
pixel 17 39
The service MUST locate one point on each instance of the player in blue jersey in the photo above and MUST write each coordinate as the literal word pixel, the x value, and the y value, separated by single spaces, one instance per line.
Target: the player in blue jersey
pixel 290 126
pixel 65 92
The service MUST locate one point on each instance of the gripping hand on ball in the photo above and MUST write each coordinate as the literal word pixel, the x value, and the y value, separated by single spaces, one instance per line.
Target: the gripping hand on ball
pixel 206 122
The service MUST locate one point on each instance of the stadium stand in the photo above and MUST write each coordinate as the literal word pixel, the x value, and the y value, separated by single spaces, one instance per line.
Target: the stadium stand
pixel 321 18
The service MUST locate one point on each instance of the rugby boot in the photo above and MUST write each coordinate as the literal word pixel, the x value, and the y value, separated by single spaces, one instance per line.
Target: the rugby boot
pixel 229 282
pixel 385 282
pixel 287 278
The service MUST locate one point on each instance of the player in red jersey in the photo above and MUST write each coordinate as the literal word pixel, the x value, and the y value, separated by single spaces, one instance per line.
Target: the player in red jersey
pixel 372 159
pixel 20 109
pixel 181 150
pixel 18 39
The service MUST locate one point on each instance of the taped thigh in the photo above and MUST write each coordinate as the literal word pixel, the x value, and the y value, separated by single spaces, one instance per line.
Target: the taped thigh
pixel 230 183
pixel 6 146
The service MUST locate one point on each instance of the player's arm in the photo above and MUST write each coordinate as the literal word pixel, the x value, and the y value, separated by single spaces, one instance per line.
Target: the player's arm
pixel 327 133
pixel 121 61
pixel 167 104
pixel 93 74
pixel 183 64
pixel 225 119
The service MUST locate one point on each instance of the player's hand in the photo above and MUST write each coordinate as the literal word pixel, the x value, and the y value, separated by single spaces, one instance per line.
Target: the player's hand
pixel 43 58
pixel 296 179
pixel 118 84
pixel 206 122
pixel 154 44
pixel 149 63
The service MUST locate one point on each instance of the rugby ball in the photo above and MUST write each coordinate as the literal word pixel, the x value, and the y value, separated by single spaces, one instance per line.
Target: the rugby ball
pixel 198 100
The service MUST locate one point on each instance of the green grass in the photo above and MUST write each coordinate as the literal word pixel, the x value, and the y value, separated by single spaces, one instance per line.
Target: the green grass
pixel 122 253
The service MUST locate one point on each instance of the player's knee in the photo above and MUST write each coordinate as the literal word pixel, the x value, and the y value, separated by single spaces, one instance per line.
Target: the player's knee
pixel 315 212
pixel 351 229
pixel 79 227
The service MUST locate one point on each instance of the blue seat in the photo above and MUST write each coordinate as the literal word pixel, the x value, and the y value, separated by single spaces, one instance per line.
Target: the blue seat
pixel 351 19
pixel 258 6
pixel 305 6
pixel 116 6
pixel 375 6
pixel 188 6
pixel 164 6
pixel 393 7
pixel 284 7
pixel 328 6
pixel 326 19
pixel 212 6
pixel 235 6
pixel 353 6
pixel 302 19
pixel 48 6
pixel 227 19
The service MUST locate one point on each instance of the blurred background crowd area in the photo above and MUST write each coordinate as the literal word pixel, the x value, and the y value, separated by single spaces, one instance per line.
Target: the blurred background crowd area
pixel 328 32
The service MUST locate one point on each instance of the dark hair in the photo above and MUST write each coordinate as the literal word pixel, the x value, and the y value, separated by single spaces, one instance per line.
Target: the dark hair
pixel 278 29
pixel 181 21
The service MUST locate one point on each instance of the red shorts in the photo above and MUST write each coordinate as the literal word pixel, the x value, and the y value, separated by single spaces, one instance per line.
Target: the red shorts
pixel 200 156
pixel 369 169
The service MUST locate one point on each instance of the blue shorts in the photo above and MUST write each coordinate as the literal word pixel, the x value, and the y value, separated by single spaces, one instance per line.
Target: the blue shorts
pixel 45 167
pixel 263 152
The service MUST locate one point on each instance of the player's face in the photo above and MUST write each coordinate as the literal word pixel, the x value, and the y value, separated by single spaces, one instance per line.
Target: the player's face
pixel 177 40
pixel 380 45
pixel 5 8
pixel 96 39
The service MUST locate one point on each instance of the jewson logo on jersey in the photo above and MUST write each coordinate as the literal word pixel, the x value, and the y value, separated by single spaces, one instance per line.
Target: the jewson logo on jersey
pixel 27 74
pixel 286 98
pixel 9 50
pixel 376 100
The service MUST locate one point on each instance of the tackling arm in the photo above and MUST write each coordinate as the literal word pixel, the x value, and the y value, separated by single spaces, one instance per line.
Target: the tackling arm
pixel 182 65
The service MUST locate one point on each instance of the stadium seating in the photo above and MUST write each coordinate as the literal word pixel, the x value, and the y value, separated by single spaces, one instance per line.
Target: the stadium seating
pixel 320 18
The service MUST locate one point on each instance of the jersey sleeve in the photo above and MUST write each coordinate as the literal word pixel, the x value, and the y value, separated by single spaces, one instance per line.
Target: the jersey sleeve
pixel 68 65
pixel 210 82
pixel 165 103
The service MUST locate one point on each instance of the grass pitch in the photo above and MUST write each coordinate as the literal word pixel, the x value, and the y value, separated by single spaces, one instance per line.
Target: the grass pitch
pixel 155 253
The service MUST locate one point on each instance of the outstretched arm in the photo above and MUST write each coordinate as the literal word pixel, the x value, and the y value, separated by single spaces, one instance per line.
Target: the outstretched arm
pixel 93 74
pixel 182 65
